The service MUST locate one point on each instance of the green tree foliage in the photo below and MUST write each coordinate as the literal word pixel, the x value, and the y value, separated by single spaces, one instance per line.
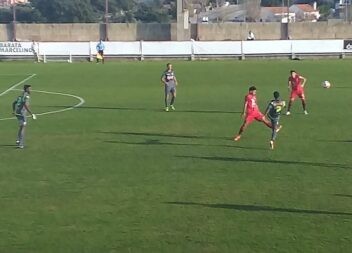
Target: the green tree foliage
pixel 24 13
pixel 64 11
pixel 5 15
pixel 86 11
pixel 28 14
pixel 150 13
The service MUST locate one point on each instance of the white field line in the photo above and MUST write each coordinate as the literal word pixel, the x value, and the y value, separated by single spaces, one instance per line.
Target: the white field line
pixel 81 102
pixel 17 84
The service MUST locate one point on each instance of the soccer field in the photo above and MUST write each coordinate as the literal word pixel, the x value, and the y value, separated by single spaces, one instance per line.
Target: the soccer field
pixel 118 174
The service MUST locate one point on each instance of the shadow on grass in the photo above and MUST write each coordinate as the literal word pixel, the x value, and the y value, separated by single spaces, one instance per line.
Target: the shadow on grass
pixel 8 146
pixel 269 161
pixel 158 142
pixel 256 208
pixel 167 135
pixel 335 87
pixel 141 109
pixel 337 141
pixel 343 195
pixel 155 110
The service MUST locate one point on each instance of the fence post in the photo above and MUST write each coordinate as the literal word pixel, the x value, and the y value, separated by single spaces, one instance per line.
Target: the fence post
pixel 192 49
pixel 293 54
pixel 90 52
pixel 141 49
pixel 243 57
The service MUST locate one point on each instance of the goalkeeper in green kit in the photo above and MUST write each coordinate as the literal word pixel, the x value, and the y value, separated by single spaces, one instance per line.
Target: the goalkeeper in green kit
pixel 20 107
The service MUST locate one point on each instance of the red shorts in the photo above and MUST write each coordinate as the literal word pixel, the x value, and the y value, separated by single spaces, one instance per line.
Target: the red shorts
pixel 254 116
pixel 297 93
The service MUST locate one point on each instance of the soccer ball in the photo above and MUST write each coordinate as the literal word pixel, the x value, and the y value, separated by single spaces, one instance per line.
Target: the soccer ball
pixel 326 84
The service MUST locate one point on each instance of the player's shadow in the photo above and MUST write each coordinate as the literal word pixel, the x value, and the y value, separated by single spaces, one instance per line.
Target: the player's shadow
pixel 8 146
pixel 118 108
pixel 258 208
pixel 335 87
pixel 144 134
pixel 142 109
pixel 337 141
pixel 342 87
pixel 154 142
pixel 102 108
pixel 207 111
pixel 343 195
pixel 160 143
pixel 154 110
pixel 269 161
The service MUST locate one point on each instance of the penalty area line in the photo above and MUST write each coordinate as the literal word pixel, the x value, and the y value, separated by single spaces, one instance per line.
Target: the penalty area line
pixel 81 102
pixel 17 84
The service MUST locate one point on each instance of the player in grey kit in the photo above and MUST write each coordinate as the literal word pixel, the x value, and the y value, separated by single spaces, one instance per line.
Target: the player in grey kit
pixel 169 80
pixel 273 111
pixel 20 107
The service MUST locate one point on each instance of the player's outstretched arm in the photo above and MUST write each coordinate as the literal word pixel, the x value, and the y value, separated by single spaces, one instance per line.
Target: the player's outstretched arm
pixel 175 80
pixel 267 109
pixel 289 85
pixel 304 80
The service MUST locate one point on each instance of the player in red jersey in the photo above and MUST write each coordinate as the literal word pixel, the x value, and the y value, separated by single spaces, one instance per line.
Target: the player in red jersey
pixel 251 112
pixel 296 84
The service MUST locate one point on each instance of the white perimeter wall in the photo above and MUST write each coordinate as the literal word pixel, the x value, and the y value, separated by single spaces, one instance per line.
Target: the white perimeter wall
pixel 182 48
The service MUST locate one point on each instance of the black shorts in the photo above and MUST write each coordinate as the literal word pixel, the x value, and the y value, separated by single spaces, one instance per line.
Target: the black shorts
pixel 101 52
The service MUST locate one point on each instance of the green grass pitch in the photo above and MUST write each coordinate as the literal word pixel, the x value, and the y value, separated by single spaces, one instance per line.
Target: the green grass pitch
pixel 119 174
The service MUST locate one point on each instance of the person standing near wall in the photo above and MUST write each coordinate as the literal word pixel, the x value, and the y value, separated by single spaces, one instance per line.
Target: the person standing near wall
pixel 100 51
pixel 250 36
pixel 35 51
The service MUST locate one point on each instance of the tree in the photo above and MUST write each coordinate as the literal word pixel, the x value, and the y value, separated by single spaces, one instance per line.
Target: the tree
pixel 152 13
pixel 63 11
pixel 119 10
pixel 5 15
pixel 253 10
pixel 28 14
pixel 87 11
pixel 24 13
